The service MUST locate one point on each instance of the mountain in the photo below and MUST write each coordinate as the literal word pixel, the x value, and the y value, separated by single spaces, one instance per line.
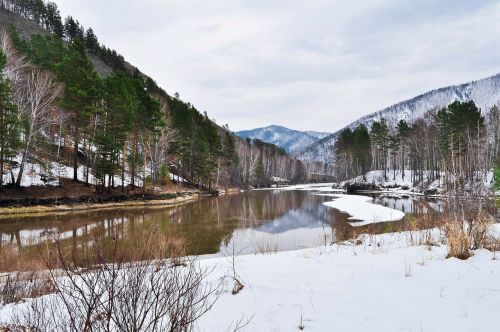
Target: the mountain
pixel 289 139
pixel 485 93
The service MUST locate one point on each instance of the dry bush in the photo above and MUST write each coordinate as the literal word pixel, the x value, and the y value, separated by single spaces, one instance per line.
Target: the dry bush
pixel 113 288
pixel 458 240
pixel 265 244
pixel 15 287
pixel 467 227
pixel 478 229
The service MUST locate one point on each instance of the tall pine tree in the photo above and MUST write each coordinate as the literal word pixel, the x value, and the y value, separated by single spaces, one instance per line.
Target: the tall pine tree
pixel 9 127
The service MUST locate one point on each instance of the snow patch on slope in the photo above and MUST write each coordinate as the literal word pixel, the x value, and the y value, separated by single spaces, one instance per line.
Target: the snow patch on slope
pixel 291 140
pixel 485 93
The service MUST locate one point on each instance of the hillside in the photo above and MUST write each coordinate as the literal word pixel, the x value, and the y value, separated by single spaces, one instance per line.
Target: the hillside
pixel 485 93
pixel 105 123
pixel 289 139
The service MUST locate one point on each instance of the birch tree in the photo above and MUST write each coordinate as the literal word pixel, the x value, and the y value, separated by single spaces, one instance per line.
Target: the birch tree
pixel 34 99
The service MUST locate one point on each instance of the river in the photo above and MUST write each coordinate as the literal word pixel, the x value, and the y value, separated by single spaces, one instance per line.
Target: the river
pixel 254 221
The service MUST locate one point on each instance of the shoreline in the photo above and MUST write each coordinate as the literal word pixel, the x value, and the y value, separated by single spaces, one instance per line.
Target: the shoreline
pixel 51 207
pixel 41 210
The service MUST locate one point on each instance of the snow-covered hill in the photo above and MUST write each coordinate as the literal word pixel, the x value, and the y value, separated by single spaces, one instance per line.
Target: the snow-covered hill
pixel 485 93
pixel 291 140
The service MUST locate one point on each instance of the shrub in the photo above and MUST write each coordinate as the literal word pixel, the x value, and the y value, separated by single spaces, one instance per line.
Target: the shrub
pixel 110 290
pixel 457 239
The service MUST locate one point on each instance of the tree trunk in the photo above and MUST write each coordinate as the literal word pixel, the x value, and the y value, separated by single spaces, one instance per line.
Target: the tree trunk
pixel 2 147
pixel 75 150
pixel 123 165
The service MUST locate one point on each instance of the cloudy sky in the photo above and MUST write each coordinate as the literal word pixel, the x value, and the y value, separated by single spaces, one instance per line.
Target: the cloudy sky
pixel 308 64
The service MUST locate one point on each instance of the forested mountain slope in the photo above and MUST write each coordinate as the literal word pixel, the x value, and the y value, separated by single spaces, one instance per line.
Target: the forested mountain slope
pixel 485 93
pixel 289 139
pixel 81 111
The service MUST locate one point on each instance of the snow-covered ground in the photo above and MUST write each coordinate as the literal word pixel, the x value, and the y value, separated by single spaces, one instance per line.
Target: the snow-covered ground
pixel 362 288
pixel 386 283
pixel 383 282
pixel 34 173
pixel 397 183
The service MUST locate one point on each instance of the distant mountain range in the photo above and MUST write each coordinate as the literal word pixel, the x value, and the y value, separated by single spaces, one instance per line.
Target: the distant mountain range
pixel 485 93
pixel 291 140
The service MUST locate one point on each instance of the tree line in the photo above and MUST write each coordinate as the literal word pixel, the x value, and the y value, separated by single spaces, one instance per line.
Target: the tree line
pixel 48 17
pixel 455 143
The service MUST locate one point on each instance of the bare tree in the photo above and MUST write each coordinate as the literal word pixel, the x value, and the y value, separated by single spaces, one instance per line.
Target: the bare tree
pixel 34 92
pixel 34 99
pixel 156 147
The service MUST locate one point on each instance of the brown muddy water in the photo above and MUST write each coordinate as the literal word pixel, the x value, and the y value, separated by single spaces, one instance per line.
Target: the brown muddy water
pixel 255 221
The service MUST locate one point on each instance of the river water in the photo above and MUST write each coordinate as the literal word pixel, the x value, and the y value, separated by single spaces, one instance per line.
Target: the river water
pixel 255 221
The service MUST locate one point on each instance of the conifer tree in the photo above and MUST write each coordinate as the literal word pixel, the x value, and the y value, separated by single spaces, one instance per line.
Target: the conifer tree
pixel 9 126
pixel 82 88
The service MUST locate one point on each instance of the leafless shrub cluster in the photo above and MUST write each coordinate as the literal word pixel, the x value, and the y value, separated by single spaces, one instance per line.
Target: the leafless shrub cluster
pixel 265 244
pixel 15 287
pixel 108 291
pixel 467 229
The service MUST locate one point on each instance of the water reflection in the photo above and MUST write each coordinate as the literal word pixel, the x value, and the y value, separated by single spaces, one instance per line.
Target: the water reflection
pixel 276 220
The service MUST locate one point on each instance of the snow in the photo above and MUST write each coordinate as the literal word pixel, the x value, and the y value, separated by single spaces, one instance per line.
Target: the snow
pixel 494 231
pixel 397 183
pixel 380 285
pixel 385 282
pixel 291 140
pixel 360 208
pixel 33 174
pixel 312 187
pixel 392 287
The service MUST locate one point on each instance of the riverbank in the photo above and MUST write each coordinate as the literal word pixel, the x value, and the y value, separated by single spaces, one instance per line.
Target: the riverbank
pixel 403 183
pixel 390 282
pixel 127 202
pixel 377 283
pixel 72 197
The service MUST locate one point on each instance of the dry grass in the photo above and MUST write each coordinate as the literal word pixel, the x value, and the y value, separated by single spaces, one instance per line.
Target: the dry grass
pixel 265 244
pixel 466 234
pixel 478 230
pixel 458 241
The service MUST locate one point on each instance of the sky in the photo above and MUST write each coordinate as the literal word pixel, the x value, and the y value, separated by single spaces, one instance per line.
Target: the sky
pixel 307 65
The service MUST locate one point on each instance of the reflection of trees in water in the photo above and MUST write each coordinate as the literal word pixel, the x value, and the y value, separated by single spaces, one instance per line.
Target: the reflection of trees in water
pixel 412 205
pixel 205 223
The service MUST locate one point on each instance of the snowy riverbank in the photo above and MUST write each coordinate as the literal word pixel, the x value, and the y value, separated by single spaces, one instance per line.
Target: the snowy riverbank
pixel 402 183
pixel 381 283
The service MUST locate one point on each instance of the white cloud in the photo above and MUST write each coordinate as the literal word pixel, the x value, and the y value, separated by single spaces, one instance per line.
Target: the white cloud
pixel 314 64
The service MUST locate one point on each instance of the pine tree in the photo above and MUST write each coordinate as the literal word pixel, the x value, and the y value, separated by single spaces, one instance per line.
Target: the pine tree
pixel 91 42
pixel 380 134
pixel 259 176
pixel 9 126
pixel 82 89
pixel 403 133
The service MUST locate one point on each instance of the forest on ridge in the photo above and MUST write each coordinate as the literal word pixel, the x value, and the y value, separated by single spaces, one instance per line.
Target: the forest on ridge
pixel 115 128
